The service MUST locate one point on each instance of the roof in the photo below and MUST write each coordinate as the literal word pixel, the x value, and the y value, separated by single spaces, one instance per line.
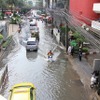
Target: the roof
pixel 21 93
pixel 32 39
pixel 24 84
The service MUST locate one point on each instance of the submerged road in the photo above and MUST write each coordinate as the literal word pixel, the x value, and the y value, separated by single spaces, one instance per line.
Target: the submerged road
pixel 53 80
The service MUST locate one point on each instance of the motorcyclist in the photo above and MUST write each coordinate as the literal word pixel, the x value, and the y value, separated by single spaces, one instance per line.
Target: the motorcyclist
pixel 50 54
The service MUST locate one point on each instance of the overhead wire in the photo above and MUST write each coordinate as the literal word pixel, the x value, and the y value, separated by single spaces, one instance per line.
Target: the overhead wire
pixel 77 25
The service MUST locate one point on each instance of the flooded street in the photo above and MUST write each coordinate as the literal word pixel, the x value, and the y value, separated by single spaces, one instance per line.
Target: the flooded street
pixel 53 80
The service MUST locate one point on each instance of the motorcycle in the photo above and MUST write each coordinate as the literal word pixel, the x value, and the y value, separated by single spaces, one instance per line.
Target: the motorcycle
pixel 94 81
pixel 50 58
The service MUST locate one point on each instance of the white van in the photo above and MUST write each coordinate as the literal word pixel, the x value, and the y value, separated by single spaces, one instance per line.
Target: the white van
pixel 32 44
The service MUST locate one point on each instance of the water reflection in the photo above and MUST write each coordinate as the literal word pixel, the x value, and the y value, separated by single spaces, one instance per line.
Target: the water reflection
pixel 31 55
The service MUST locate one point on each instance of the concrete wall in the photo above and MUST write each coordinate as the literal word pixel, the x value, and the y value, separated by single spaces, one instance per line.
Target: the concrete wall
pixel 83 10
pixel 3 76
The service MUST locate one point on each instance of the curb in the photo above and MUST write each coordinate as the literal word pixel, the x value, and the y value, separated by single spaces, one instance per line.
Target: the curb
pixel 94 96
pixel 3 76
pixel 90 53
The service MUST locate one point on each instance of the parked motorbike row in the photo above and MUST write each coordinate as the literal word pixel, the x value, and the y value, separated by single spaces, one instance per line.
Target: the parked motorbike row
pixel 95 79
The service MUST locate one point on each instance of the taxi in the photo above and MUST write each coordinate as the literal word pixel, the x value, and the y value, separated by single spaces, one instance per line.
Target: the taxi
pixel 23 91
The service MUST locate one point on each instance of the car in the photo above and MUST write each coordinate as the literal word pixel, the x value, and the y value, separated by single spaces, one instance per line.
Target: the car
pixel 34 29
pixel 23 91
pixel 37 17
pixel 35 32
pixel 32 44
pixel 33 22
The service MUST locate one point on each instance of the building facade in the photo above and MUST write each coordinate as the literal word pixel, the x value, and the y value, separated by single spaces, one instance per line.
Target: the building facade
pixel 83 10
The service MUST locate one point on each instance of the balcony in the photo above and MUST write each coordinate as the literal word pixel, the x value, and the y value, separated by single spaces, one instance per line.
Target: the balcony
pixel 96 7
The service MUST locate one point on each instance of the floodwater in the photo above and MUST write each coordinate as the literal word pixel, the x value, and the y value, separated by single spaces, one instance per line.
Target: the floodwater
pixel 53 80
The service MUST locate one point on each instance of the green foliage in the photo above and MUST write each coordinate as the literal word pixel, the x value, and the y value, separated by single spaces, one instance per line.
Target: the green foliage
pixel 63 29
pixel 78 37
pixel 79 40
pixel 85 49
pixel 25 10
pixel 73 43
pixel 76 49
pixel 1 16
pixel 1 36
pixel 15 3
pixel 7 42
pixel 15 19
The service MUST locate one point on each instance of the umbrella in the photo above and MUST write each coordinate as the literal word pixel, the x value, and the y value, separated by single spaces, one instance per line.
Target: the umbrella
pixel 73 43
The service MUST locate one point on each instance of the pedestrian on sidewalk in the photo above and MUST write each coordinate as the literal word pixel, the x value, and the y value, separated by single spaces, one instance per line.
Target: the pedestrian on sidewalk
pixel 52 31
pixel 20 25
pixel 69 50
pixel 80 54
pixel 72 50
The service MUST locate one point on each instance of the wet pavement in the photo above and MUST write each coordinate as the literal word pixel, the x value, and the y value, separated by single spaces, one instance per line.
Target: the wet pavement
pixel 53 80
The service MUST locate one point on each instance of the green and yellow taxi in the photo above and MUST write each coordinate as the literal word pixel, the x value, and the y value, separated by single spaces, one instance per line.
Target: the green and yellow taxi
pixel 23 91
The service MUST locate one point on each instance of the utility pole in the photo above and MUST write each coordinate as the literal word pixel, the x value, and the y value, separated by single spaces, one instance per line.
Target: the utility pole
pixel 67 41
pixel 66 37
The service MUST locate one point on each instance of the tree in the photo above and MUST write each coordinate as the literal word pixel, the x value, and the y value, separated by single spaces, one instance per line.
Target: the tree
pixel 16 3
pixel 2 6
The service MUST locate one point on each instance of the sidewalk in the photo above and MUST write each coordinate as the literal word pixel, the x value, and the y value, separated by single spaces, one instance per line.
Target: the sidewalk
pixel 84 70
pixel 12 29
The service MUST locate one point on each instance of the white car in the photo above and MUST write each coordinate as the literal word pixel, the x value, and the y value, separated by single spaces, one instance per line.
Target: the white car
pixel 33 22
pixel 34 29
pixel 32 44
